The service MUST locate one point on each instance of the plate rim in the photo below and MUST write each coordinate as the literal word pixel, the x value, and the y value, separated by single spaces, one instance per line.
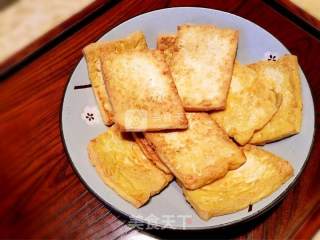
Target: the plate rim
pixel 245 219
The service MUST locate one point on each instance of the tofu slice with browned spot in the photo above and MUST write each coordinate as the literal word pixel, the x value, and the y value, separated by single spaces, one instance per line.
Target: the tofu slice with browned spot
pixel 142 93
pixel 250 105
pixel 124 168
pixel 198 155
pixel 261 175
pixel 202 65
pixel 92 53
pixel 284 78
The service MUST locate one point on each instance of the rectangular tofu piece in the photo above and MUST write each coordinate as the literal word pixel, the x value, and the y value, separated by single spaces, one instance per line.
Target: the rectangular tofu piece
pixel 92 54
pixel 142 93
pixel 282 76
pixel 202 65
pixel 262 174
pixel 150 153
pixel 250 105
pixel 199 155
pixel 124 168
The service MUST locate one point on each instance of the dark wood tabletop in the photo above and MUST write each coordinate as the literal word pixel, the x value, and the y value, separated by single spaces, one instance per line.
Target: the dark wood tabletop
pixel 41 196
pixel 302 14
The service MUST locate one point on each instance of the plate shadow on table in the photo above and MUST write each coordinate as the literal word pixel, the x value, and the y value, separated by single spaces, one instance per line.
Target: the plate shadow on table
pixel 228 232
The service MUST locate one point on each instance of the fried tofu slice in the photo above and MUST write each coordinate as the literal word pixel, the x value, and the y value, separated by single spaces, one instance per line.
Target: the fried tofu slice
pixel 250 105
pixel 142 93
pixel 92 54
pixel 262 174
pixel 124 168
pixel 202 65
pixel 150 153
pixel 199 155
pixel 166 44
pixel 282 76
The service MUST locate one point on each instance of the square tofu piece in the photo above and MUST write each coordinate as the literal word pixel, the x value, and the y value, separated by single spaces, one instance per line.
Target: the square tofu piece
pixel 283 77
pixel 142 93
pixel 92 54
pixel 250 105
pixel 202 65
pixel 199 155
pixel 262 174
pixel 124 168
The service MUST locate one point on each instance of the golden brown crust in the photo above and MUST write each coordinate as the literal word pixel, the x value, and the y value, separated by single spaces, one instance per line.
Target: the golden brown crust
pixel 199 155
pixel 262 174
pixel 283 77
pixel 202 65
pixel 149 152
pixel 250 105
pixel 142 92
pixel 92 54
pixel 124 168
pixel 166 44
pixel 292 62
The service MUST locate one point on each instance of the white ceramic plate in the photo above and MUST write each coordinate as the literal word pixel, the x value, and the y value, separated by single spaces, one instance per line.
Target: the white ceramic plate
pixel 169 209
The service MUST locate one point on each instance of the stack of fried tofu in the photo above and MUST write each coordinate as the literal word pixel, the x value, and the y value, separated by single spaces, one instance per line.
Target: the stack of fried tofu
pixel 189 111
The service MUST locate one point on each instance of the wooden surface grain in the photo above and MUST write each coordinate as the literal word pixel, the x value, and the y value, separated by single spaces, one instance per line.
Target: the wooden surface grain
pixel 299 12
pixel 40 194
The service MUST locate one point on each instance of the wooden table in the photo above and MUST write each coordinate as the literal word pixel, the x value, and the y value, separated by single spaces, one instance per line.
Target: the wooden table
pixel 42 197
